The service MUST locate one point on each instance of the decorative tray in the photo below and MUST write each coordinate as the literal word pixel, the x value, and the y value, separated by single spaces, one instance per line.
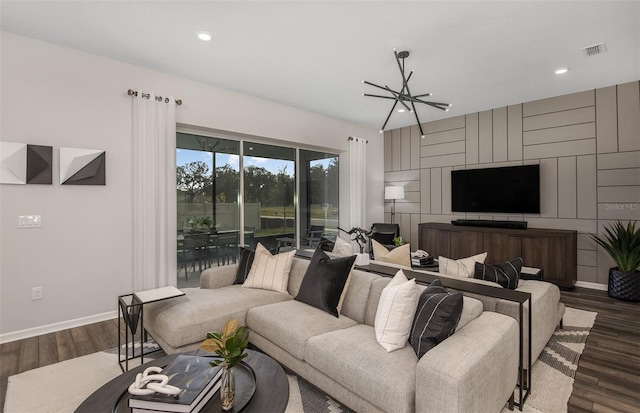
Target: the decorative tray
pixel 245 388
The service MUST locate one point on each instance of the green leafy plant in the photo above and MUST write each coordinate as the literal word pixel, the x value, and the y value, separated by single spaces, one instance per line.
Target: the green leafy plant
pixel 623 245
pixel 200 222
pixel 229 344
pixel 398 241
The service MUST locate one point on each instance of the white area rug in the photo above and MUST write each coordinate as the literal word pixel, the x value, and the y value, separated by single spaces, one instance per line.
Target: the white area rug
pixel 61 387
pixel 552 375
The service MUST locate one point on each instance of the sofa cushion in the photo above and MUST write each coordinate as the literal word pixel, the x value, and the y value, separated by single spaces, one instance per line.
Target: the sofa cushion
pixel 325 281
pixel 374 299
pixel 296 275
pixel 464 267
pixel 353 358
pixel 544 317
pixel 187 319
pixel 270 272
pixel 290 324
pixel 357 294
pixel 395 312
pixel 436 318
pixel 505 273
pixel 399 255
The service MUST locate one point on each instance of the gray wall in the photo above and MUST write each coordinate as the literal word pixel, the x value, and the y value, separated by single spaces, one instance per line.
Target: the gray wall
pixel 587 145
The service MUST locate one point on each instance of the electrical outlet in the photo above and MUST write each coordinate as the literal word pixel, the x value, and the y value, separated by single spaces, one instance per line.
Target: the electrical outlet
pixel 36 293
pixel 30 221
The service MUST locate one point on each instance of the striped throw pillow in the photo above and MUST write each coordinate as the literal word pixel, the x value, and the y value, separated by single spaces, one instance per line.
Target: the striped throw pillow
pixel 270 272
pixel 507 273
pixel 436 318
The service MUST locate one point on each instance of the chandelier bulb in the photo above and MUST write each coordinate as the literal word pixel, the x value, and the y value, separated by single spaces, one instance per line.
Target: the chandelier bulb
pixel 381 131
pixel 422 137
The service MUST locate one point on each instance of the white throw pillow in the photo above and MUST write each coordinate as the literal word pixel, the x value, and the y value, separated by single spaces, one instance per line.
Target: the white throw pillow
pixel 464 267
pixel 342 247
pixel 270 272
pixel 396 309
pixel 399 255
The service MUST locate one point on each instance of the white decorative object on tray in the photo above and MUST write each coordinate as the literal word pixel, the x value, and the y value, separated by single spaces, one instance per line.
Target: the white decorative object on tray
pixel 148 383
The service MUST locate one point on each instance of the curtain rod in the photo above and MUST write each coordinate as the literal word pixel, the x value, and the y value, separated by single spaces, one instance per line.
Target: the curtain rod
pixel 147 95
pixel 351 138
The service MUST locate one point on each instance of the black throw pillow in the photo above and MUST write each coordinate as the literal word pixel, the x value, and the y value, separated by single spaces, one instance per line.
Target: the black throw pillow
pixel 505 273
pixel 436 318
pixel 324 281
pixel 246 259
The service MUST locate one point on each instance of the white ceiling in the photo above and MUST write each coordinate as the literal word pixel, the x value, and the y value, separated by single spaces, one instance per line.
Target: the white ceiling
pixel 476 55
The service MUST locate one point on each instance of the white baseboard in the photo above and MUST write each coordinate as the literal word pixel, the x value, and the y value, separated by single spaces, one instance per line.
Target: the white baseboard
pixel 52 328
pixel 593 286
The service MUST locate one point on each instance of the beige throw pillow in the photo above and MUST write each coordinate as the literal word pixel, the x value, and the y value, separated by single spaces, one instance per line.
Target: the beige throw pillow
pixel 270 272
pixel 464 267
pixel 396 308
pixel 400 255
pixel 342 247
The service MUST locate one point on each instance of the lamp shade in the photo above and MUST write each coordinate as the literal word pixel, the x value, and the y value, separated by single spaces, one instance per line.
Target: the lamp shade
pixel 394 192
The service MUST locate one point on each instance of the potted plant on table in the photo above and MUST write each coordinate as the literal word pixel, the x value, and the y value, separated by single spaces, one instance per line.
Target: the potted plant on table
pixel 622 243
pixel 229 346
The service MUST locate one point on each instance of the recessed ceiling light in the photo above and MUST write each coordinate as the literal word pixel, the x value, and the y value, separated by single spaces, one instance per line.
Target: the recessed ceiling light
pixel 562 70
pixel 204 36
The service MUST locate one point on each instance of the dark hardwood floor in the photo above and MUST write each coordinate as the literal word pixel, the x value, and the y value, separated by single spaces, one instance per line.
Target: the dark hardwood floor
pixel 607 380
pixel 608 376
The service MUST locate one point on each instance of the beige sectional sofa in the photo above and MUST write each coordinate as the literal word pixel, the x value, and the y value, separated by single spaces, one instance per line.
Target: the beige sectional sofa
pixel 475 369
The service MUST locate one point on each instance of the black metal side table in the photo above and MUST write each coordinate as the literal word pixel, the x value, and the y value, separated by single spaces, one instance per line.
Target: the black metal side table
pixel 130 310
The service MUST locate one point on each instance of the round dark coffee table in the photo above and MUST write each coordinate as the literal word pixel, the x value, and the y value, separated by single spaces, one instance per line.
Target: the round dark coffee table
pixel 271 393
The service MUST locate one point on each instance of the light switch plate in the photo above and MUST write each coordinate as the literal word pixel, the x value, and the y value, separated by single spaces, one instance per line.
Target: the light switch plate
pixel 30 221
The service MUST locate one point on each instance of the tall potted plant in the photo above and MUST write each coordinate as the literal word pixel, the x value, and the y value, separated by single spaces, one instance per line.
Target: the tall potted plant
pixel 623 245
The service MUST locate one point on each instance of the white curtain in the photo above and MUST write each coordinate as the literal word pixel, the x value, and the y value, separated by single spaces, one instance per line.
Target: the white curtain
pixel 357 182
pixel 154 193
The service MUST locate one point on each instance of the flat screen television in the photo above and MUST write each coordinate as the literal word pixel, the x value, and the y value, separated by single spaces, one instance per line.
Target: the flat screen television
pixel 511 189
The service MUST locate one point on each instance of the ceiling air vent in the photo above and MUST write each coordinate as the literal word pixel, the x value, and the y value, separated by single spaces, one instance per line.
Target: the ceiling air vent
pixel 594 49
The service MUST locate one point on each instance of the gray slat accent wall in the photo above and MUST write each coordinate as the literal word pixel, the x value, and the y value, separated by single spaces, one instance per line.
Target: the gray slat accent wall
pixel 587 145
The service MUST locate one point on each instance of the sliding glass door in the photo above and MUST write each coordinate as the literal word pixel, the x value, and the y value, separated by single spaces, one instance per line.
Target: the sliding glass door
pixel 269 194
pixel 208 211
pixel 319 197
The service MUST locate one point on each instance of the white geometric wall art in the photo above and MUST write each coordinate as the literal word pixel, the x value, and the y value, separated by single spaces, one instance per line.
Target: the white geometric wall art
pixel 82 166
pixel 25 164
pixel 13 163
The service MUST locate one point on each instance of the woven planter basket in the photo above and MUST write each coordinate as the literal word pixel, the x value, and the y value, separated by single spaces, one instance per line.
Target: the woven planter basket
pixel 624 285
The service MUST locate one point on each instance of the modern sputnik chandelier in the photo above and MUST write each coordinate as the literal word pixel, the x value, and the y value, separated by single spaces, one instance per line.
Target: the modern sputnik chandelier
pixel 404 96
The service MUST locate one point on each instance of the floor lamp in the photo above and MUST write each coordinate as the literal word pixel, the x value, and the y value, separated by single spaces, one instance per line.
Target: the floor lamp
pixel 393 192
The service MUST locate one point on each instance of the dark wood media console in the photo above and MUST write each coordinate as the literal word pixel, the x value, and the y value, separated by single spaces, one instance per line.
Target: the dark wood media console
pixel 554 251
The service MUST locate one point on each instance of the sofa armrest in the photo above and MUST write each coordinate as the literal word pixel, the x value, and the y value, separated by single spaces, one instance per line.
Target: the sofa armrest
pixel 217 277
pixel 474 370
